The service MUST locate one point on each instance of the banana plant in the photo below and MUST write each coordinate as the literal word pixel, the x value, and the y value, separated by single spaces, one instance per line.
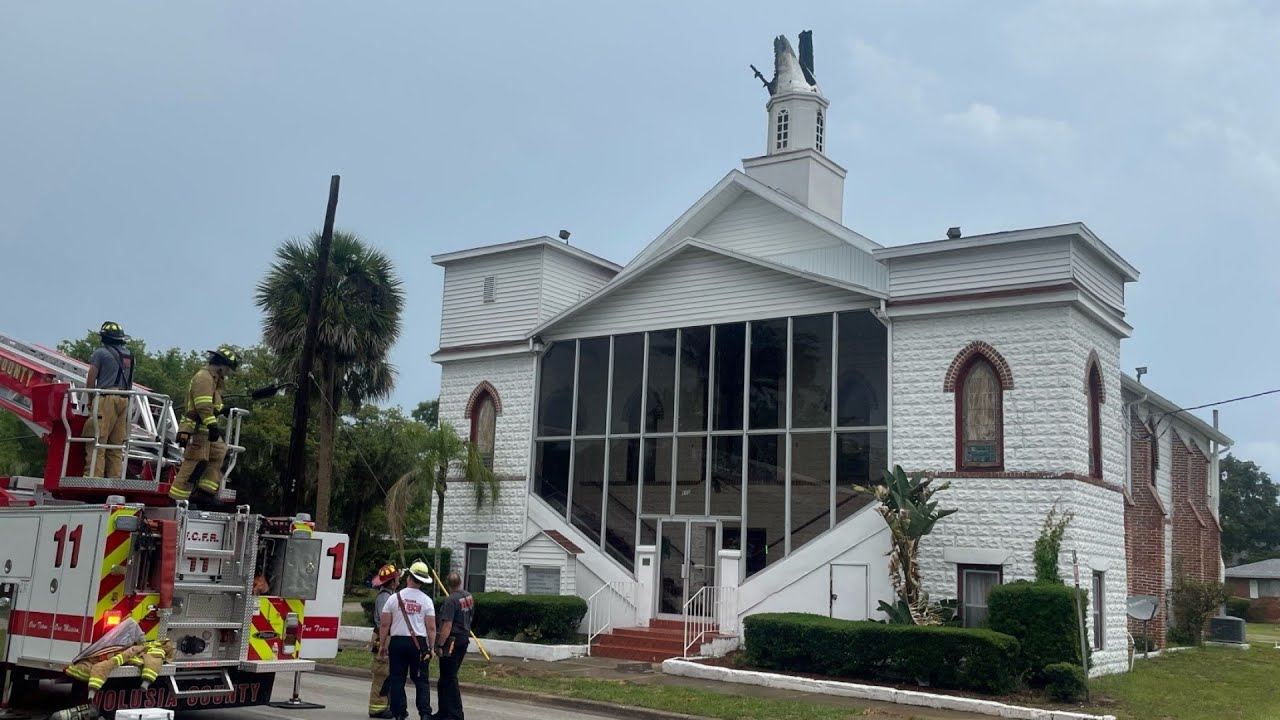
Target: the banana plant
pixel 908 509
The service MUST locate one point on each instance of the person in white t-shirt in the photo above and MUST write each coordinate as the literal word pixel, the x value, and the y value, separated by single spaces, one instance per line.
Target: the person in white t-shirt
pixel 406 636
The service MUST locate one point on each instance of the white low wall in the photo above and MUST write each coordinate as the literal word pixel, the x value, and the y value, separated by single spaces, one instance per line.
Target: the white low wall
pixel 686 668
pixel 497 648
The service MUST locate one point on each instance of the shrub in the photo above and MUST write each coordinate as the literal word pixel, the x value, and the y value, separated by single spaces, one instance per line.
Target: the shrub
pixel 1042 616
pixel 1049 545
pixel 552 618
pixel 1065 682
pixel 1194 601
pixel 944 657
pixel 1238 607
pixel 367 606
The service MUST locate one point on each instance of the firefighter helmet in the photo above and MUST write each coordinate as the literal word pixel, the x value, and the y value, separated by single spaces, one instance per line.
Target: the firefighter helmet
pixel 224 356
pixel 386 574
pixel 420 572
pixel 112 331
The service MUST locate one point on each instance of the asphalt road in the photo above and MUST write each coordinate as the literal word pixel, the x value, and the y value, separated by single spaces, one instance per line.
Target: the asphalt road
pixel 344 699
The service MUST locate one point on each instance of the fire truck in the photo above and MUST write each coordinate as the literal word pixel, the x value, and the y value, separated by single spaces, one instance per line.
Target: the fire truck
pixel 242 596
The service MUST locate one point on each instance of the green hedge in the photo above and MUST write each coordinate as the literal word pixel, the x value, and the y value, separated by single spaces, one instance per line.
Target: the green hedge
pixel 1238 607
pixel 538 617
pixel 943 657
pixel 1065 682
pixel 1042 616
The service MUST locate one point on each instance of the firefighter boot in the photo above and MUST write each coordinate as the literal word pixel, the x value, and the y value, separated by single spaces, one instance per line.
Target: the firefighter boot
pixel 196 452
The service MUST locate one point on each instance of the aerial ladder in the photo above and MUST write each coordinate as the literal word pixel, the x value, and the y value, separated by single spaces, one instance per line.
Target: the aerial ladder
pixel 241 596
pixel 47 391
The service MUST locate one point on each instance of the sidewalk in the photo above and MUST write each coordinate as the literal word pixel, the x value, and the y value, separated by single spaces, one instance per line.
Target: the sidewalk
pixel 607 669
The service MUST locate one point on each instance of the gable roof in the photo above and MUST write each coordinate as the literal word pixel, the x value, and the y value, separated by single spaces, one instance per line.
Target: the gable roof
pixel 556 537
pixel 543 241
pixel 1076 229
pixel 1269 569
pixel 719 197
pixel 635 273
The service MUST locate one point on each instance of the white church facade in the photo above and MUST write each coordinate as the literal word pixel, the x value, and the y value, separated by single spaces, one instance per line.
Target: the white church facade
pixel 691 425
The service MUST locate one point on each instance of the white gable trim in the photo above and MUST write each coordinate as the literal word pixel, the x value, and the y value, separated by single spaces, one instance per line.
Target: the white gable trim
pixel 643 270
pixel 720 197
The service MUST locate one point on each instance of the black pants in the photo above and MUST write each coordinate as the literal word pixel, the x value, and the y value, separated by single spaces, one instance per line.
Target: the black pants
pixel 448 697
pixel 402 656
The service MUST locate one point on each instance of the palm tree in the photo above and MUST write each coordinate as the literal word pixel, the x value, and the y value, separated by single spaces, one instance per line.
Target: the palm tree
pixel 448 456
pixel 359 322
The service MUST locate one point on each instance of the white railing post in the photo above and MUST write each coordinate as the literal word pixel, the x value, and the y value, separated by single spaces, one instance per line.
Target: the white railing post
pixel 702 614
pixel 601 605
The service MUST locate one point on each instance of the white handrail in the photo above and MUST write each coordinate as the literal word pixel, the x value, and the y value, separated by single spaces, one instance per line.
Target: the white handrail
pixel 702 613
pixel 600 609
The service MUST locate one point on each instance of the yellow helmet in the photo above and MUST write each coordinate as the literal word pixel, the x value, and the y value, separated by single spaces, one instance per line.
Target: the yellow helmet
pixel 420 572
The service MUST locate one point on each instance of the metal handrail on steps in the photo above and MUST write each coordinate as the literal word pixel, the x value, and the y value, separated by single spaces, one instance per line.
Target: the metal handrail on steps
pixel 702 613
pixel 600 607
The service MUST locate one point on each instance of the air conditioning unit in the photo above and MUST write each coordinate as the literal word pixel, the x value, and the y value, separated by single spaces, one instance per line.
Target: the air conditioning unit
pixel 1226 629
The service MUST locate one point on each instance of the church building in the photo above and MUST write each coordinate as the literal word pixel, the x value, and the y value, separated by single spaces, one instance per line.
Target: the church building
pixel 678 439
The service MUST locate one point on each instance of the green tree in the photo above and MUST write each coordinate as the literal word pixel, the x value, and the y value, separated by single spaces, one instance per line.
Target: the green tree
pixel 447 457
pixel 376 446
pixel 427 412
pixel 359 323
pixel 21 451
pixel 1249 512
pixel 168 371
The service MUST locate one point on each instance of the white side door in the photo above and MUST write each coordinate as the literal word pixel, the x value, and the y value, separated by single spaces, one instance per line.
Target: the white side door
pixel 322 616
pixel 849 592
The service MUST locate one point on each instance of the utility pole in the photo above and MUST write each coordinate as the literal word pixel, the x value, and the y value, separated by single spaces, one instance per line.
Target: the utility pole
pixel 302 398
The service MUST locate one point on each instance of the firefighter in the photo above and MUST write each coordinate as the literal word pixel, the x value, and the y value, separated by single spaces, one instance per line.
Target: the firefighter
pixel 387 581
pixel 110 368
pixel 198 433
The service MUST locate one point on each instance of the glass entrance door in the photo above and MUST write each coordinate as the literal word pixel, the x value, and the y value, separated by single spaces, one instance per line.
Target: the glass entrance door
pixel 688 562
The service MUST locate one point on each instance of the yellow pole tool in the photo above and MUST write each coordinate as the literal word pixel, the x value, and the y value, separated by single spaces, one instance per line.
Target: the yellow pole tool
pixel 470 632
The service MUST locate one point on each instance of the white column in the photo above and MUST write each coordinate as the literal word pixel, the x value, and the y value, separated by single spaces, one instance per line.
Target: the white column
pixel 646 582
pixel 727 568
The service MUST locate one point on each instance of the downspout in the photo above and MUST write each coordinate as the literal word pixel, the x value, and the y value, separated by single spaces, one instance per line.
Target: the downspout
pixel 1215 482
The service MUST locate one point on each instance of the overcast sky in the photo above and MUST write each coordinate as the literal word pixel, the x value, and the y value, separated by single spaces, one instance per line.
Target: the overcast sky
pixel 152 155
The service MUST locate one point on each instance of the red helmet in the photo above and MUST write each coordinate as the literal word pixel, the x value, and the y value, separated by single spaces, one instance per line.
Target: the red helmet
pixel 385 574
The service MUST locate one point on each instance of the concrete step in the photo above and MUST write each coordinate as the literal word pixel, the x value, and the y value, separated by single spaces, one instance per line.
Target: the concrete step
pixel 634 652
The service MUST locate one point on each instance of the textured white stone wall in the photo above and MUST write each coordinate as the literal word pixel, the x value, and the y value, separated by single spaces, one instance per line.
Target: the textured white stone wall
pixel 1097 536
pixel 500 525
pixel 1046 414
pixel 512 377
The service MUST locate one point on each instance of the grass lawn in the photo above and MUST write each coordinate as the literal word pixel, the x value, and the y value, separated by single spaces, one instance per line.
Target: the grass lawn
pixel 1201 684
pixel 656 697
pixel 1262 634
pixel 354 619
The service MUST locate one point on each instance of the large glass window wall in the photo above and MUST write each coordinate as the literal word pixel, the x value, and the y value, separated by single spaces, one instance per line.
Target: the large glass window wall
pixel 764 425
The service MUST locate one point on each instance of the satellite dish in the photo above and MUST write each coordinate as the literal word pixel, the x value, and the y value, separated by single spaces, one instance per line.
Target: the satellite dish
pixel 1143 607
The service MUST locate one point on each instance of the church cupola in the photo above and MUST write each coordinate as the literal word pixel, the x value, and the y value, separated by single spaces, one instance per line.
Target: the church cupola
pixel 795 160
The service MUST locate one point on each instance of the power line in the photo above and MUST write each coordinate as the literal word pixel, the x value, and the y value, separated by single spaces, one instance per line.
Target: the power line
pixel 1221 402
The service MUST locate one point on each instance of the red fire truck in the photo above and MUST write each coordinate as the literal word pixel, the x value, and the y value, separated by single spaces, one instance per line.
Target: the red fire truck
pixel 241 596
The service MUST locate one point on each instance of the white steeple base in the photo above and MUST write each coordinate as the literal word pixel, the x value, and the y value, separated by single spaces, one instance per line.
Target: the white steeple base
pixel 806 175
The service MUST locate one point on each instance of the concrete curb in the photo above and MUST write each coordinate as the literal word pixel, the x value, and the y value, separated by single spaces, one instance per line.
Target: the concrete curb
pixel 593 706
pixel 685 668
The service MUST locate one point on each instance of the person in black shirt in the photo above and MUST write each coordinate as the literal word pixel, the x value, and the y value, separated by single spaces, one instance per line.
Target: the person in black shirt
pixel 456 613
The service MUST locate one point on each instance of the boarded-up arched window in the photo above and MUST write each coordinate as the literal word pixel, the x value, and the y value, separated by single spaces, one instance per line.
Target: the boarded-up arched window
pixel 1095 420
pixel 484 422
pixel 979 417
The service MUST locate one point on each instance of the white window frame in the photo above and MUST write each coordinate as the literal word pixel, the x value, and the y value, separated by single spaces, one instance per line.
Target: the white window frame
pixel 1097 609
pixel 961 572
pixel 466 566
pixel 559 569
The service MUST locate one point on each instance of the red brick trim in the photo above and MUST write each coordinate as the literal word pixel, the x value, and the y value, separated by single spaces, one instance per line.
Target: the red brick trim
pixel 1151 490
pixel 962 359
pixel 484 387
pixel 1196 511
pixel 1017 475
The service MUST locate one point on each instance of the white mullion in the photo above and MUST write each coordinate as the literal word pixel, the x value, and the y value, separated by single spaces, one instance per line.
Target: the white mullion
pixel 675 426
pixel 710 445
pixel 644 400
pixel 746 406
pixel 538 361
pixel 786 491
pixel 888 391
pixel 834 416
pixel 573 427
pixel 608 426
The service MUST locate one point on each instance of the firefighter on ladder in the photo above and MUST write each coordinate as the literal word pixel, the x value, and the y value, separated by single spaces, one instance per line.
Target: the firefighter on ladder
pixel 387 581
pixel 110 368
pixel 198 433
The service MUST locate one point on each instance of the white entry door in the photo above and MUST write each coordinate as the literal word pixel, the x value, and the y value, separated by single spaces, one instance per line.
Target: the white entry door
pixel 849 592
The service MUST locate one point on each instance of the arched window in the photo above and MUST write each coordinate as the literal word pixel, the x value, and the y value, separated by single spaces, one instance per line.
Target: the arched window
pixel 821 129
pixel 980 417
pixel 783 131
pixel 483 409
pixel 1095 420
